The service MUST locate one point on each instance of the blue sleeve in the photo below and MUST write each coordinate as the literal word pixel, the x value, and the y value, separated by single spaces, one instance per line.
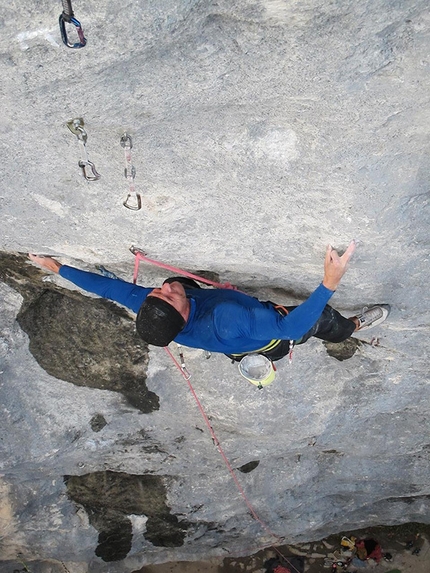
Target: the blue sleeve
pixel 262 323
pixel 127 294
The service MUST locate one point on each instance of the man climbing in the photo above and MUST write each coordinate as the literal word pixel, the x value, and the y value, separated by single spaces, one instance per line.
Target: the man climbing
pixel 227 321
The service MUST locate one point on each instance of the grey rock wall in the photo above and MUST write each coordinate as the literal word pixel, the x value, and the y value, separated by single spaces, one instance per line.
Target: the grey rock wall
pixel 262 131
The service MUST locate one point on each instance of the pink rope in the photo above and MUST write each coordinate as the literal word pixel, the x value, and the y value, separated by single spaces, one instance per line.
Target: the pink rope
pixel 221 451
pixel 229 466
pixel 140 256
pixel 136 269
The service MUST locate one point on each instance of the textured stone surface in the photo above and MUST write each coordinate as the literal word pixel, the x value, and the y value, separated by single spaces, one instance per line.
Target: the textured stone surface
pixel 261 132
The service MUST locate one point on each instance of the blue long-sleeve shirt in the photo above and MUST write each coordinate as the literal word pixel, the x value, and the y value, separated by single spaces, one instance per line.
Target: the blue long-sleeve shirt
pixel 221 320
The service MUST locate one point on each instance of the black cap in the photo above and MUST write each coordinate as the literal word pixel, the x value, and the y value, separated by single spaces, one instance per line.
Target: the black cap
pixel 158 322
pixel 185 282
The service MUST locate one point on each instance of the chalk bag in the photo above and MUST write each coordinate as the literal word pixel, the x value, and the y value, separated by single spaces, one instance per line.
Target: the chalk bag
pixel 257 369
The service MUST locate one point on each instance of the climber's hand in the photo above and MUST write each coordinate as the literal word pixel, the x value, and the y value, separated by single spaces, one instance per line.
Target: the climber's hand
pixel 335 267
pixel 47 263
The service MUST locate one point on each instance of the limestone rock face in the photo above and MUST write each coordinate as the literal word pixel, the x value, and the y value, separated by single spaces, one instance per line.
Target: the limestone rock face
pixel 262 130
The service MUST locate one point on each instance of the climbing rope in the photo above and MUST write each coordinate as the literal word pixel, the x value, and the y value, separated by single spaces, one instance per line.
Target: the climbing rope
pixel 186 375
pixel 219 447
pixel 139 255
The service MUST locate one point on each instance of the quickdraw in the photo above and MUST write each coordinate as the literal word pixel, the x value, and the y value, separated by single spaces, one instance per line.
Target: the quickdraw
pixel 88 168
pixel 184 369
pixel 67 17
pixel 133 200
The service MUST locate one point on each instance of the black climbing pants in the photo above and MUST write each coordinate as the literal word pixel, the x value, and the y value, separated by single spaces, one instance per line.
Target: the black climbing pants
pixel 330 326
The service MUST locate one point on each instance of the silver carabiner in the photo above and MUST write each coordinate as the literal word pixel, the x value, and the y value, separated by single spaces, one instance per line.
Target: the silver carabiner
pixel 83 165
pixel 126 142
pixel 137 206
pixel 135 250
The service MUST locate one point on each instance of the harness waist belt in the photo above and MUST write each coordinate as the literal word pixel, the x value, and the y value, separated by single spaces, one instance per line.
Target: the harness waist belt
pixel 273 343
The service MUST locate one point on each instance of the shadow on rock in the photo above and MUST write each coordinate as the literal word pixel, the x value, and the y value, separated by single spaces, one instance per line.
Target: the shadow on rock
pixel 342 350
pixel 109 497
pixel 86 341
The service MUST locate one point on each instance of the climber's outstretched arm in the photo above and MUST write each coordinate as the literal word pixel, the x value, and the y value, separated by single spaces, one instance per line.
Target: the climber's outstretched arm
pixel 125 293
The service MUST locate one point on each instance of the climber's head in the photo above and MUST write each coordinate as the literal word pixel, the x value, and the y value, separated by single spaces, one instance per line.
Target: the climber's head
pixel 163 314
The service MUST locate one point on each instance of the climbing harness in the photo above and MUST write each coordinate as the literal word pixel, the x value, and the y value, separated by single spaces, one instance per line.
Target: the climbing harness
pixel 133 200
pixel 140 255
pixel 88 168
pixel 268 350
pixel 282 310
pixel 67 17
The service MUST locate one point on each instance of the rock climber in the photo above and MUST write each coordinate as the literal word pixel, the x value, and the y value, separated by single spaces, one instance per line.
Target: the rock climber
pixel 224 320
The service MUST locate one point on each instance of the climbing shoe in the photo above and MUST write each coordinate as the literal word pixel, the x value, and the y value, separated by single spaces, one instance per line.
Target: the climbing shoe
pixel 373 316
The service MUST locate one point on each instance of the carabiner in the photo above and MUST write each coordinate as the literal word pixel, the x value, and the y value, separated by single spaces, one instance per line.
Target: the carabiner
pixel 63 19
pixel 67 17
pixel 130 172
pixel 83 165
pixel 135 207
pixel 135 250
pixel 126 142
